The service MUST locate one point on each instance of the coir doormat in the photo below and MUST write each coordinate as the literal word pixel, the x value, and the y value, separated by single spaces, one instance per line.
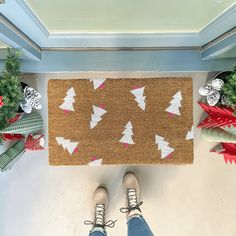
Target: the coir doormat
pixel 120 121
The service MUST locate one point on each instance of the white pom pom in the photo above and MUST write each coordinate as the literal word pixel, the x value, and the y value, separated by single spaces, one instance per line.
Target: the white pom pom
pixel 206 90
pixel 26 109
pixel 38 106
pixel 203 91
pixel 213 98
pixel 217 84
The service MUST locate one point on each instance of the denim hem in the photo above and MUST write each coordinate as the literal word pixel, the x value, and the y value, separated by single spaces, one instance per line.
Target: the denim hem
pixel 134 216
pixel 99 230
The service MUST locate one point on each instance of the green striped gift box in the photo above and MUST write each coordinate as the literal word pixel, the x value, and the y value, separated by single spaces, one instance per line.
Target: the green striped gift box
pixel 29 123
pixel 9 157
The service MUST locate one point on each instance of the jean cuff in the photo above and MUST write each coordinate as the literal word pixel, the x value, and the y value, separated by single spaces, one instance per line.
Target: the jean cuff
pixel 135 216
pixel 98 229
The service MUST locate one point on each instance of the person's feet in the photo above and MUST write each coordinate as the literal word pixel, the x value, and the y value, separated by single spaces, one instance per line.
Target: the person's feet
pixel 100 202
pixel 131 188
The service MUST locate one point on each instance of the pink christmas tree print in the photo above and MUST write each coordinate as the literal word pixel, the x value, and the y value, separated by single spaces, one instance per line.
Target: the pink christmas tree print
pixel 127 135
pixel 98 83
pixel 139 98
pixel 175 105
pixel 67 105
pixel 68 145
pixel 95 162
pixel 164 147
pixel 98 112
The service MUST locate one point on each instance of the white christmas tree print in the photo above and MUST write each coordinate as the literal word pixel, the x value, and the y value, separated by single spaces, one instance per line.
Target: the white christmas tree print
pixel 127 134
pixel 175 104
pixel 95 162
pixel 190 134
pixel 163 146
pixel 98 112
pixel 71 147
pixel 98 82
pixel 67 105
pixel 139 98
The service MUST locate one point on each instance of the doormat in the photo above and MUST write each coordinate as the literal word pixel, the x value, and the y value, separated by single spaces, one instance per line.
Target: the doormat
pixel 120 121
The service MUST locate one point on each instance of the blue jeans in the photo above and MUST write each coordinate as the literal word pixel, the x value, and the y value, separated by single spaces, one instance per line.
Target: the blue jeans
pixel 137 226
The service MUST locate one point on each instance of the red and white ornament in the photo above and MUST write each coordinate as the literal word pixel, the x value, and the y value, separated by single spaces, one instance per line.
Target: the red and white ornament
pixel 34 142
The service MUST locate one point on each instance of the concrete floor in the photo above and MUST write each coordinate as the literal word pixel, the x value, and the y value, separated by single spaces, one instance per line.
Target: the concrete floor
pixel 198 200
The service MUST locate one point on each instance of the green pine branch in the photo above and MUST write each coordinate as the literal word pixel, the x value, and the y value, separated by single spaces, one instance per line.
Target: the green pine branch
pixel 10 88
pixel 229 89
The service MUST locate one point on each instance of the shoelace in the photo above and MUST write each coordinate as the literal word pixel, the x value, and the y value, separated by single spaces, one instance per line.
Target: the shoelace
pixel 132 201
pixel 99 220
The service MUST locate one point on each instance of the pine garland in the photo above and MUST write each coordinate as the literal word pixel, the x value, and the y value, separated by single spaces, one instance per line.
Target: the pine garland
pixel 10 88
pixel 229 88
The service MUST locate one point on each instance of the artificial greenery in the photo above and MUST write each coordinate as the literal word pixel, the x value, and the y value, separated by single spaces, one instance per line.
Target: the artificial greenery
pixel 10 88
pixel 229 89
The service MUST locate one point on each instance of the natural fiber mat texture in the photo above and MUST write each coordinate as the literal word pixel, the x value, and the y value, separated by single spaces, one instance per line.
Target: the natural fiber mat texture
pixel 120 121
